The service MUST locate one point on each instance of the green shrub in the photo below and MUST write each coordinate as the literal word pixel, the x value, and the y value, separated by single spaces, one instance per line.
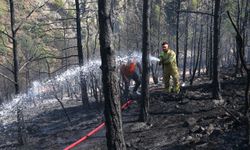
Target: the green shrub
pixel 58 3
pixel 3 7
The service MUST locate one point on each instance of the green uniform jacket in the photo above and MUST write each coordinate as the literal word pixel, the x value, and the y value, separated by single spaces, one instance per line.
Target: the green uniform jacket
pixel 168 60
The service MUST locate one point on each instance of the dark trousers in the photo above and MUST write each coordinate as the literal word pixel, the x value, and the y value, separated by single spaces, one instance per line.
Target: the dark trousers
pixel 137 80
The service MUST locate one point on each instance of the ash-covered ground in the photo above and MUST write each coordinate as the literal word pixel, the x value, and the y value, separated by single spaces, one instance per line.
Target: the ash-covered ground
pixel 190 120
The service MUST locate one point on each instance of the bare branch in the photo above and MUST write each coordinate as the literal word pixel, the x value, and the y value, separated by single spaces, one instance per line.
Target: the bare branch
pixel 6 77
pixel 30 13
pixel 68 48
pixel 195 12
pixel 6 34
pixel 26 63
pixel 240 40
pixel 54 57
pixel 66 19
pixel 7 68
pixel 58 29
pixel 61 67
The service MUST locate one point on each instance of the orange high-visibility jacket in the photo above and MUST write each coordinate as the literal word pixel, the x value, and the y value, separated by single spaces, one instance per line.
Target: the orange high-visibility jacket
pixel 128 69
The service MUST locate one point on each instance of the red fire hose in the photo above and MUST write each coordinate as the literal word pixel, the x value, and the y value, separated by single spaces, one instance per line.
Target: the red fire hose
pixel 124 106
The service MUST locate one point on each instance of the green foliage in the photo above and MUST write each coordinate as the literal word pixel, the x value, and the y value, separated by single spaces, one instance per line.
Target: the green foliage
pixel 71 13
pixel 25 41
pixel 3 39
pixel 3 49
pixel 58 3
pixel 20 6
pixel 3 7
pixel 1 27
pixel 195 3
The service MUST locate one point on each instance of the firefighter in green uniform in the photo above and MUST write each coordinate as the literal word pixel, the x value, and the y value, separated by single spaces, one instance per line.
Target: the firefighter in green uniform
pixel 168 62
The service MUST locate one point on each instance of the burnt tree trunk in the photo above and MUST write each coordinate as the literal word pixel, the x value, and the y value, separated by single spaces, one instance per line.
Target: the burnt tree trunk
pixel 85 100
pixel 215 80
pixel 112 110
pixel 193 45
pixel 145 63
pixel 240 43
pixel 207 47
pixel 200 47
pixel 211 45
pixel 177 30
pixel 14 46
pixel 198 57
pixel 20 123
pixel 185 49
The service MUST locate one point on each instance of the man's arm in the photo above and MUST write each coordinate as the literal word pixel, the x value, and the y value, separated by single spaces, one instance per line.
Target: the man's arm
pixel 161 59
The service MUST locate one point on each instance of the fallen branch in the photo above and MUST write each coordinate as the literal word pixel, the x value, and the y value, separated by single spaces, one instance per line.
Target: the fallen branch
pixel 231 114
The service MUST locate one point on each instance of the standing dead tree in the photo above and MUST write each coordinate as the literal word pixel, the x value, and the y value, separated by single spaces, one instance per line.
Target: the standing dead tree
pixel 240 44
pixel 215 79
pixel 14 27
pixel 83 82
pixel 145 64
pixel 112 109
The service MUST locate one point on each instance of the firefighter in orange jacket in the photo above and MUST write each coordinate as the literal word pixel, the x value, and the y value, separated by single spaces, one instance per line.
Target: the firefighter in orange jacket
pixel 168 61
pixel 131 70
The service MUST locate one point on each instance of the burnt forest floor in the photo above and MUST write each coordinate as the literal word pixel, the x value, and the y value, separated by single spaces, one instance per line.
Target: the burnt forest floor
pixel 190 120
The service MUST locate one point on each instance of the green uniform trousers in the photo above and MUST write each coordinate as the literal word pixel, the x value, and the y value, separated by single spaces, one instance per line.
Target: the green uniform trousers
pixel 171 70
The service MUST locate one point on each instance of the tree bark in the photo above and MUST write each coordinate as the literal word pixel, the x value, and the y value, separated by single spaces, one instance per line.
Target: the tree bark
pixel 145 63
pixel 240 43
pixel 14 46
pixel 112 110
pixel 177 30
pixel 207 48
pixel 84 93
pixel 185 48
pixel 211 45
pixel 198 57
pixel 20 123
pixel 200 47
pixel 215 82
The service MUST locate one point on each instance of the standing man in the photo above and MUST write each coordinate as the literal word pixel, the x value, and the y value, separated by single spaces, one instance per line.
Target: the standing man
pixel 131 70
pixel 168 62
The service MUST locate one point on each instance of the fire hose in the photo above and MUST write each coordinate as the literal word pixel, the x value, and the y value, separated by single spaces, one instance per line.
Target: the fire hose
pixel 99 127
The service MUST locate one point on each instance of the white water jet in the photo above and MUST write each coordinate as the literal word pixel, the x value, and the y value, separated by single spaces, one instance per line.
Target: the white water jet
pixel 40 90
pixel 153 58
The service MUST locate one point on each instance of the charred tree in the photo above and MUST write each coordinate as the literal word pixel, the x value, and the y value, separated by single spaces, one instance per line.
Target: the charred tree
pixel 177 30
pixel 215 79
pixel 241 23
pixel 200 47
pixel 83 83
pixel 207 48
pixel 211 45
pixel 240 43
pixel 14 46
pixel 145 63
pixel 193 45
pixel 20 124
pixel 197 57
pixel 185 48
pixel 112 110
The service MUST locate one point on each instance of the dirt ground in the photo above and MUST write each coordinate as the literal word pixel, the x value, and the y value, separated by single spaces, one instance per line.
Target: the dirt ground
pixel 190 120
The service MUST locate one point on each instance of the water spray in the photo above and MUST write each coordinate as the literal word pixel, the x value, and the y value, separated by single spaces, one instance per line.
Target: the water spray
pixel 41 90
